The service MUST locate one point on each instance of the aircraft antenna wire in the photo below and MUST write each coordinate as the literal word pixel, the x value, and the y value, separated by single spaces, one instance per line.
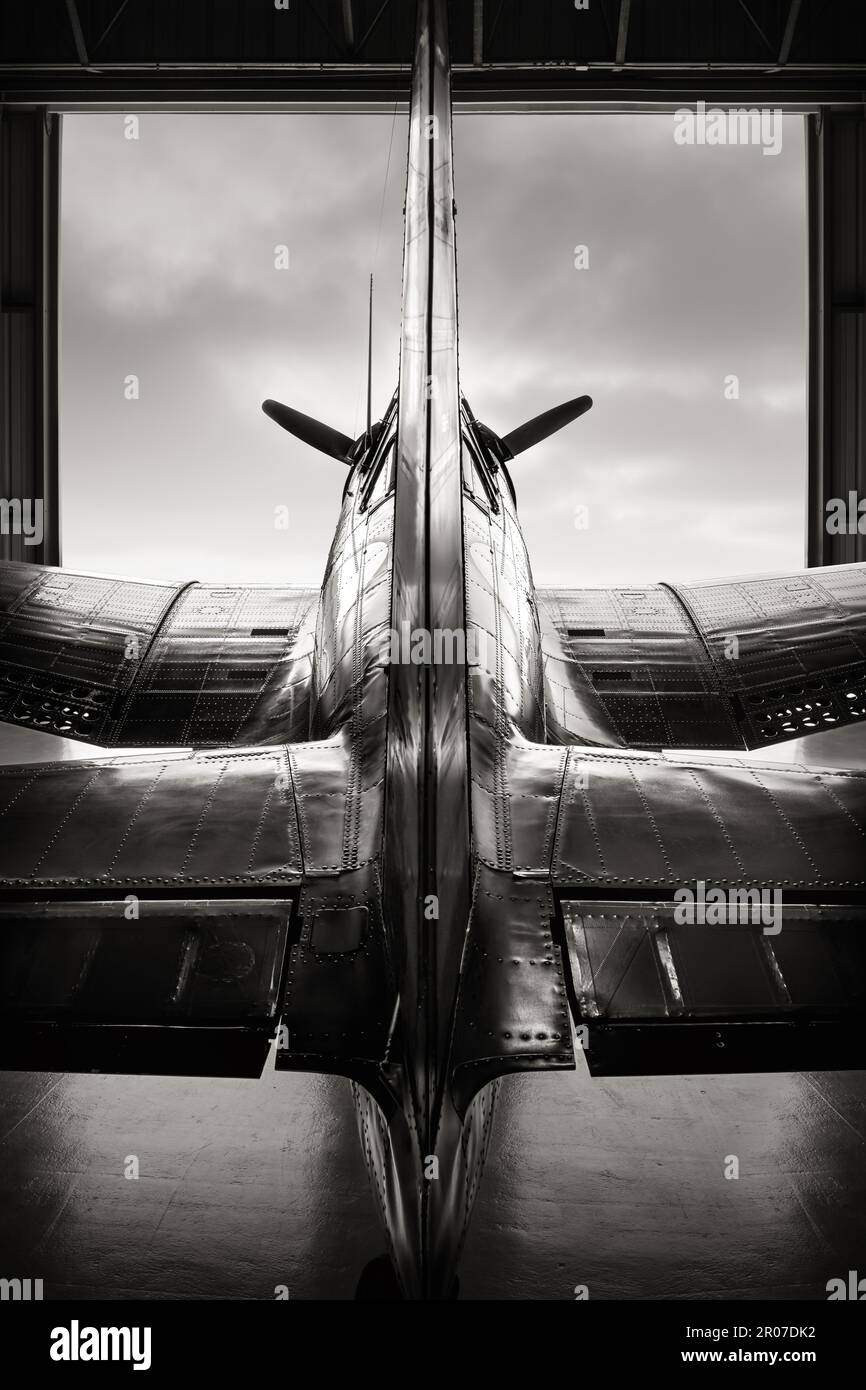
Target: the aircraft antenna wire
pixel 375 263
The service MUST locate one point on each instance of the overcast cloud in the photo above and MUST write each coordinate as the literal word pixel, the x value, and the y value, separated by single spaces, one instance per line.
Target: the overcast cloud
pixel 696 271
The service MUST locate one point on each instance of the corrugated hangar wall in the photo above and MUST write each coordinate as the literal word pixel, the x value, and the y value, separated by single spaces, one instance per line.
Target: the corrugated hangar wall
pixel 29 266
pixel 836 146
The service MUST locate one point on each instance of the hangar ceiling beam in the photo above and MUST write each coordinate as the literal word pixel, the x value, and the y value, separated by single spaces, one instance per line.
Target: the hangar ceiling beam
pixel 478 33
pixel 29 215
pixel 836 147
pixel 790 29
pixel 348 25
pixel 622 34
pixel 109 26
pixel 77 32
pixel 755 25
pixel 371 28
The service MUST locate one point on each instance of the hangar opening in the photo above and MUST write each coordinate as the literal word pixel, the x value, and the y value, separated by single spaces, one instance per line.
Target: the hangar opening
pixel 211 260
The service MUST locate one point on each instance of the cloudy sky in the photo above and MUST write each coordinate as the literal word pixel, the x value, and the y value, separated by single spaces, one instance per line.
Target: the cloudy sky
pixel 696 272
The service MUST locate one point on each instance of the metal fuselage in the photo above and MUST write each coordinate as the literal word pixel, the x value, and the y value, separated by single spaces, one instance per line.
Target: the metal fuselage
pixel 428 563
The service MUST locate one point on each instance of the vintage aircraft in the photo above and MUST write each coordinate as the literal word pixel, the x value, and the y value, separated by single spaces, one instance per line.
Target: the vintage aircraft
pixel 418 873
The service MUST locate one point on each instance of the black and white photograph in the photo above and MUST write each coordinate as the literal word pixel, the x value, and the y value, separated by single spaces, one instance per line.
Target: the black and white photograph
pixel 433 666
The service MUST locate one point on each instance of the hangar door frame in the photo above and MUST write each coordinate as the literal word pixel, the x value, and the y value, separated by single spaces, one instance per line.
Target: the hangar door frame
pixel 30 173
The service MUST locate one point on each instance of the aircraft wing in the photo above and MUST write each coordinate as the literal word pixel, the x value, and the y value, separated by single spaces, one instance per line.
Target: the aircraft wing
pixel 731 663
pixel 162 912
pixel 617 836
pixel 131 663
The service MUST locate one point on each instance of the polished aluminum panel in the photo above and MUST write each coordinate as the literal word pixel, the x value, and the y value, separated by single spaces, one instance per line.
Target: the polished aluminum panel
pixel 131 663
pixel 71 646
pixel 512 1011
pixel 603 816
pixel 626 666
pixel 228 665
pixel 427 841
pixel 340 994
pixel 729 663
pixel 800 648
pixel 427 837
pixel 157 819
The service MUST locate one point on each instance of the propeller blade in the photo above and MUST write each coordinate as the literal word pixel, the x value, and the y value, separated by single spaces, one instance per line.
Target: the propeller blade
pixel 304 427
pixel 544 425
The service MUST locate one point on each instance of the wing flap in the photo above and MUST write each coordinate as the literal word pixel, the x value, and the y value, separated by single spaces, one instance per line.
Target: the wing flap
pixel 711 912
pixel 145 906
pixel 166 912
pixel 166 987
pixel 651 993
